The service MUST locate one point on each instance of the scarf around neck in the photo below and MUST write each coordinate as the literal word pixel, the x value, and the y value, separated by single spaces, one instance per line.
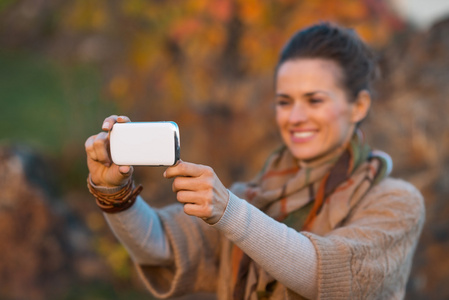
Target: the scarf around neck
pixel 295 193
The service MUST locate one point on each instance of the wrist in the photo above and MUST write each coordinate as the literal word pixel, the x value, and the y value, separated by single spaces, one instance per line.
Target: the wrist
pixel 107 189
pixel 220 210
pixel 117 199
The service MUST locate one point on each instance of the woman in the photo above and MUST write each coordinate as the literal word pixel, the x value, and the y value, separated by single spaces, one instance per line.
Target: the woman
pixel 321 220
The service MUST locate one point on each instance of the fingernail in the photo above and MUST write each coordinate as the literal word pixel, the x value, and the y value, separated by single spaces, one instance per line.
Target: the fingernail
pixel 105 125
pixel 165 174
pixel 124 170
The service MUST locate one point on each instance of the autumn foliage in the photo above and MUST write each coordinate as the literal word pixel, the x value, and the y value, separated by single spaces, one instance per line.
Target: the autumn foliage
pixel 208 65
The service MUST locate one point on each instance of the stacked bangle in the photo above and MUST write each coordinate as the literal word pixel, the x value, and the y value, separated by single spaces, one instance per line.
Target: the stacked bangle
pixel 118 201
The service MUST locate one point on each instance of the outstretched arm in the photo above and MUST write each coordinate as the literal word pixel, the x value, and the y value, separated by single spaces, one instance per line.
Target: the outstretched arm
pixel 139 227
pixel 286 254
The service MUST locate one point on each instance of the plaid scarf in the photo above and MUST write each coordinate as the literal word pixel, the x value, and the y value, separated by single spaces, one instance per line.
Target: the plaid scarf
pixel 295 194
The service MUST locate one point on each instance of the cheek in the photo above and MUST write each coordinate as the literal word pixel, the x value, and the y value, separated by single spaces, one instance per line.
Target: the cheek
pixel 337 119
pixel 281 117
pixel 329 115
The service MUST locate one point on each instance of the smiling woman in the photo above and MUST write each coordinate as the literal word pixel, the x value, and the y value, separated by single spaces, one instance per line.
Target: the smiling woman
pixel 313 112
pixel 322 220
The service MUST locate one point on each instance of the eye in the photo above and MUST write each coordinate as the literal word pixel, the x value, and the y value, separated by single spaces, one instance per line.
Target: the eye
pixel 282 102
pixel 315 101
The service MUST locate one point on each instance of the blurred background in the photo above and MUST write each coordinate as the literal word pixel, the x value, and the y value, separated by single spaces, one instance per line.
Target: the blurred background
pixel 208 65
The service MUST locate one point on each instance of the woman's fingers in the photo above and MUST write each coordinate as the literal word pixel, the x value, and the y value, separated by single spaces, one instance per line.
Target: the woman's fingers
pixel 191 183
pixel 187 197
pixel 96 148
pixel 198 211
pixel 125 170
pixel 88 145
pixel 199 189
pixel 101 168
pixel 200 197
pixel 183 168
pixel 111 120
pixel 101 147
pixel 195 204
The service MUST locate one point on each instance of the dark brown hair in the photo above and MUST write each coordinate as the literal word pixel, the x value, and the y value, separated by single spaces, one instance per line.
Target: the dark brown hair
pixel 342 45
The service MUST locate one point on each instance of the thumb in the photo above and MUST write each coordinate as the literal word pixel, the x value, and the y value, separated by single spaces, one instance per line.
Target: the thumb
pixel 126 171
pixel 118 175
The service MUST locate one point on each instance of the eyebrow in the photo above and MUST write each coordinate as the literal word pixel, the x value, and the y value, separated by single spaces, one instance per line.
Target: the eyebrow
pixel 315 92
pixel 309 94
pixel 283 95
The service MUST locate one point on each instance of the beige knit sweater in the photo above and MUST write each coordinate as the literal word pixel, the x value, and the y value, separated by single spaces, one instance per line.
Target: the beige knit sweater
pixel 364 250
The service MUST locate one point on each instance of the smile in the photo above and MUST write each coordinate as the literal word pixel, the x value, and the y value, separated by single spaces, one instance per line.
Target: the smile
pixel 302 136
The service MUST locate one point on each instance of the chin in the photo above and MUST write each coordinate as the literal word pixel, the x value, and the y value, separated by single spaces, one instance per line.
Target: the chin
pixel 301 156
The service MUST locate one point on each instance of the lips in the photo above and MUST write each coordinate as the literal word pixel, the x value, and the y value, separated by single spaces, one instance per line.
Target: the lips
pixel 302 136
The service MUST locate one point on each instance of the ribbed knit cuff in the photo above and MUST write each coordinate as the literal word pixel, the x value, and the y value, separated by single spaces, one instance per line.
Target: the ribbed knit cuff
pixel 105 189
pixel 334 268
pixel 234 214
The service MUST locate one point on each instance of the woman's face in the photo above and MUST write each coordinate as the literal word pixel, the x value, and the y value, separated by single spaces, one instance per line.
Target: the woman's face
pixel 313 113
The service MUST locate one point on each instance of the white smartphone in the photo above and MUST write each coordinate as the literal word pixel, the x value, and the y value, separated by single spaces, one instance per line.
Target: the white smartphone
pixel 145 143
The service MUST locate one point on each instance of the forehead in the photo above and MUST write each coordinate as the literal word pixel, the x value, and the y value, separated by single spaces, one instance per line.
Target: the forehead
pixel 309 73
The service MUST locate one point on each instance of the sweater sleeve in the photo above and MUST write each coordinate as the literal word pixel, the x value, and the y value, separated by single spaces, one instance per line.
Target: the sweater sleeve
pixel 175 254
pixel 370 255
pixel 195 248
pixel 284 253
pixel 140 231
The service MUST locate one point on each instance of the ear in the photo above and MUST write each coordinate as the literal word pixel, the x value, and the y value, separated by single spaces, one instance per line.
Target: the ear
pixel 361 106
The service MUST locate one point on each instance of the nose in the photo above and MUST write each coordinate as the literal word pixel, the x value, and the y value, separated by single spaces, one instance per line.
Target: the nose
pixel 298 113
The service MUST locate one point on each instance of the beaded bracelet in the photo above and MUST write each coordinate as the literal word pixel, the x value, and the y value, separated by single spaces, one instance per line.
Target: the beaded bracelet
pixel 118 201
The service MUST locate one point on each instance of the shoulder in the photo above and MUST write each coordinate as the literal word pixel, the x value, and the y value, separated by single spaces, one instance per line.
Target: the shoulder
pixel 396 195
pixel 395 187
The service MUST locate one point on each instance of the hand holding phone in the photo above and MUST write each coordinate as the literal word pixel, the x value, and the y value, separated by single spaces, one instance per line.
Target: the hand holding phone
pixel 145 143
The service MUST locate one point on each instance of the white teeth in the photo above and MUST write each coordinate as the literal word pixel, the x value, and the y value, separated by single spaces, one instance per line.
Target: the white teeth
pixel 303 134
